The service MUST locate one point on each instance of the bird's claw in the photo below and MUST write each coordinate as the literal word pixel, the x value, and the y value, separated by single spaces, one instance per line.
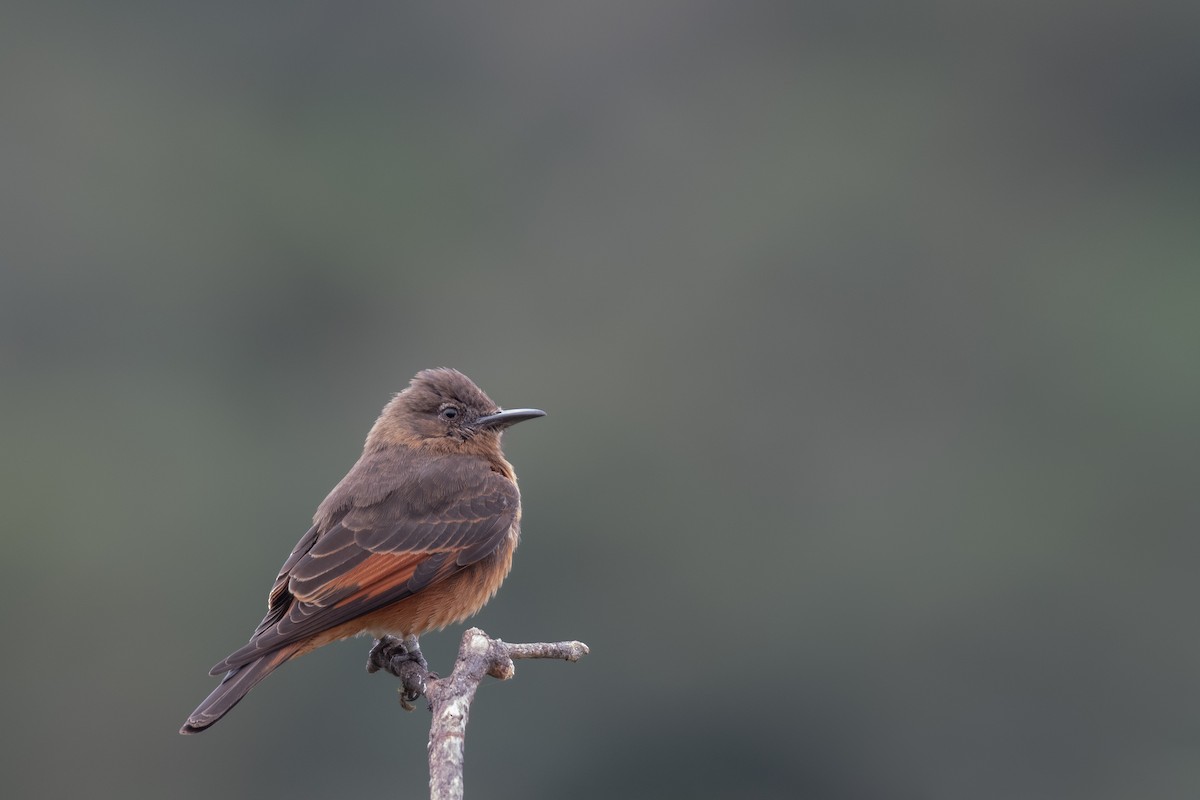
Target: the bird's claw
pixel 402 658
pixel 408 693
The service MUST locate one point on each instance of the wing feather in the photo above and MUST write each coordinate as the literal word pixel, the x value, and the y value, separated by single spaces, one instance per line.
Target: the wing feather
pixel 369 555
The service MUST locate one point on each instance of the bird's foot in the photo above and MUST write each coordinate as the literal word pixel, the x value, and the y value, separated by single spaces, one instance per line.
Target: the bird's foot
pixel 402 658
pixel 389 653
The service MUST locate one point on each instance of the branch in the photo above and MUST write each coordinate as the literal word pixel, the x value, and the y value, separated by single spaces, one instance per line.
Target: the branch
pixel 450 699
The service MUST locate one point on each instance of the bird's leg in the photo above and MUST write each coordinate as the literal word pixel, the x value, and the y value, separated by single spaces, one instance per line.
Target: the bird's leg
pixel 414 651
pixel 389 652
pixel 402 658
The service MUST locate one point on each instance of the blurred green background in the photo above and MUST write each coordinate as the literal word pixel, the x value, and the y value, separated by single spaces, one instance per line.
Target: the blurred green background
pixel 868 333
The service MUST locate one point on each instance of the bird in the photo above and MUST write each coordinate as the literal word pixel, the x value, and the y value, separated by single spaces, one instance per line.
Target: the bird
pixel 418 535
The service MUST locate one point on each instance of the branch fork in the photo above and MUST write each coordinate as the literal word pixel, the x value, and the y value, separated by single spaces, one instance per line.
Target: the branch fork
pixel 450 699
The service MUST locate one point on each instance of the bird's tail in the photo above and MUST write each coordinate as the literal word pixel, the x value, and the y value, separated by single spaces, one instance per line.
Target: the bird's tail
pixel 233 687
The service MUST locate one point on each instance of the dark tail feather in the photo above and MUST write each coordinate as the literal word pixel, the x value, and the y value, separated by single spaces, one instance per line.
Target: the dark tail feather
pixel 234 686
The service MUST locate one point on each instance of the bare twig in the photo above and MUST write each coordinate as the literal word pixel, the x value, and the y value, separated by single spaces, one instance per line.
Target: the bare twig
pixel 450 699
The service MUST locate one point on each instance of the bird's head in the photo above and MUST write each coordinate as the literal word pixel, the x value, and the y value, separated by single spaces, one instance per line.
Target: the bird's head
pixel 444 410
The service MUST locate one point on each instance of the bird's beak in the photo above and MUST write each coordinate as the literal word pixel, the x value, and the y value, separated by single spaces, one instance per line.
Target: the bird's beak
pixel 502 419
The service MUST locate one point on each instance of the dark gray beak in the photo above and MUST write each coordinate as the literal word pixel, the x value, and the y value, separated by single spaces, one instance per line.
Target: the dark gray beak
pixel 502 419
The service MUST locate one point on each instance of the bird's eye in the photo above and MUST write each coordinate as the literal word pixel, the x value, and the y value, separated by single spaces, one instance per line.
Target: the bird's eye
pixel 449 412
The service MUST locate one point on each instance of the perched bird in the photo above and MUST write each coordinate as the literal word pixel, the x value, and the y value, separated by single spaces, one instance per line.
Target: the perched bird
pixel 418 535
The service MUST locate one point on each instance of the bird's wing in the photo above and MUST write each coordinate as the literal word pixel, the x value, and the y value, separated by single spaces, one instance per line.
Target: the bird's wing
pixel 374 555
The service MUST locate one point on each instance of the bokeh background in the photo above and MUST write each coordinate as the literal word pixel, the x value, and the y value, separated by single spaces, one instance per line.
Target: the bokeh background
pixel 868 333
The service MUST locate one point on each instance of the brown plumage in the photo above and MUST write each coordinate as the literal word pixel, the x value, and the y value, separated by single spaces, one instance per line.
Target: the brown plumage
pixel 418 535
